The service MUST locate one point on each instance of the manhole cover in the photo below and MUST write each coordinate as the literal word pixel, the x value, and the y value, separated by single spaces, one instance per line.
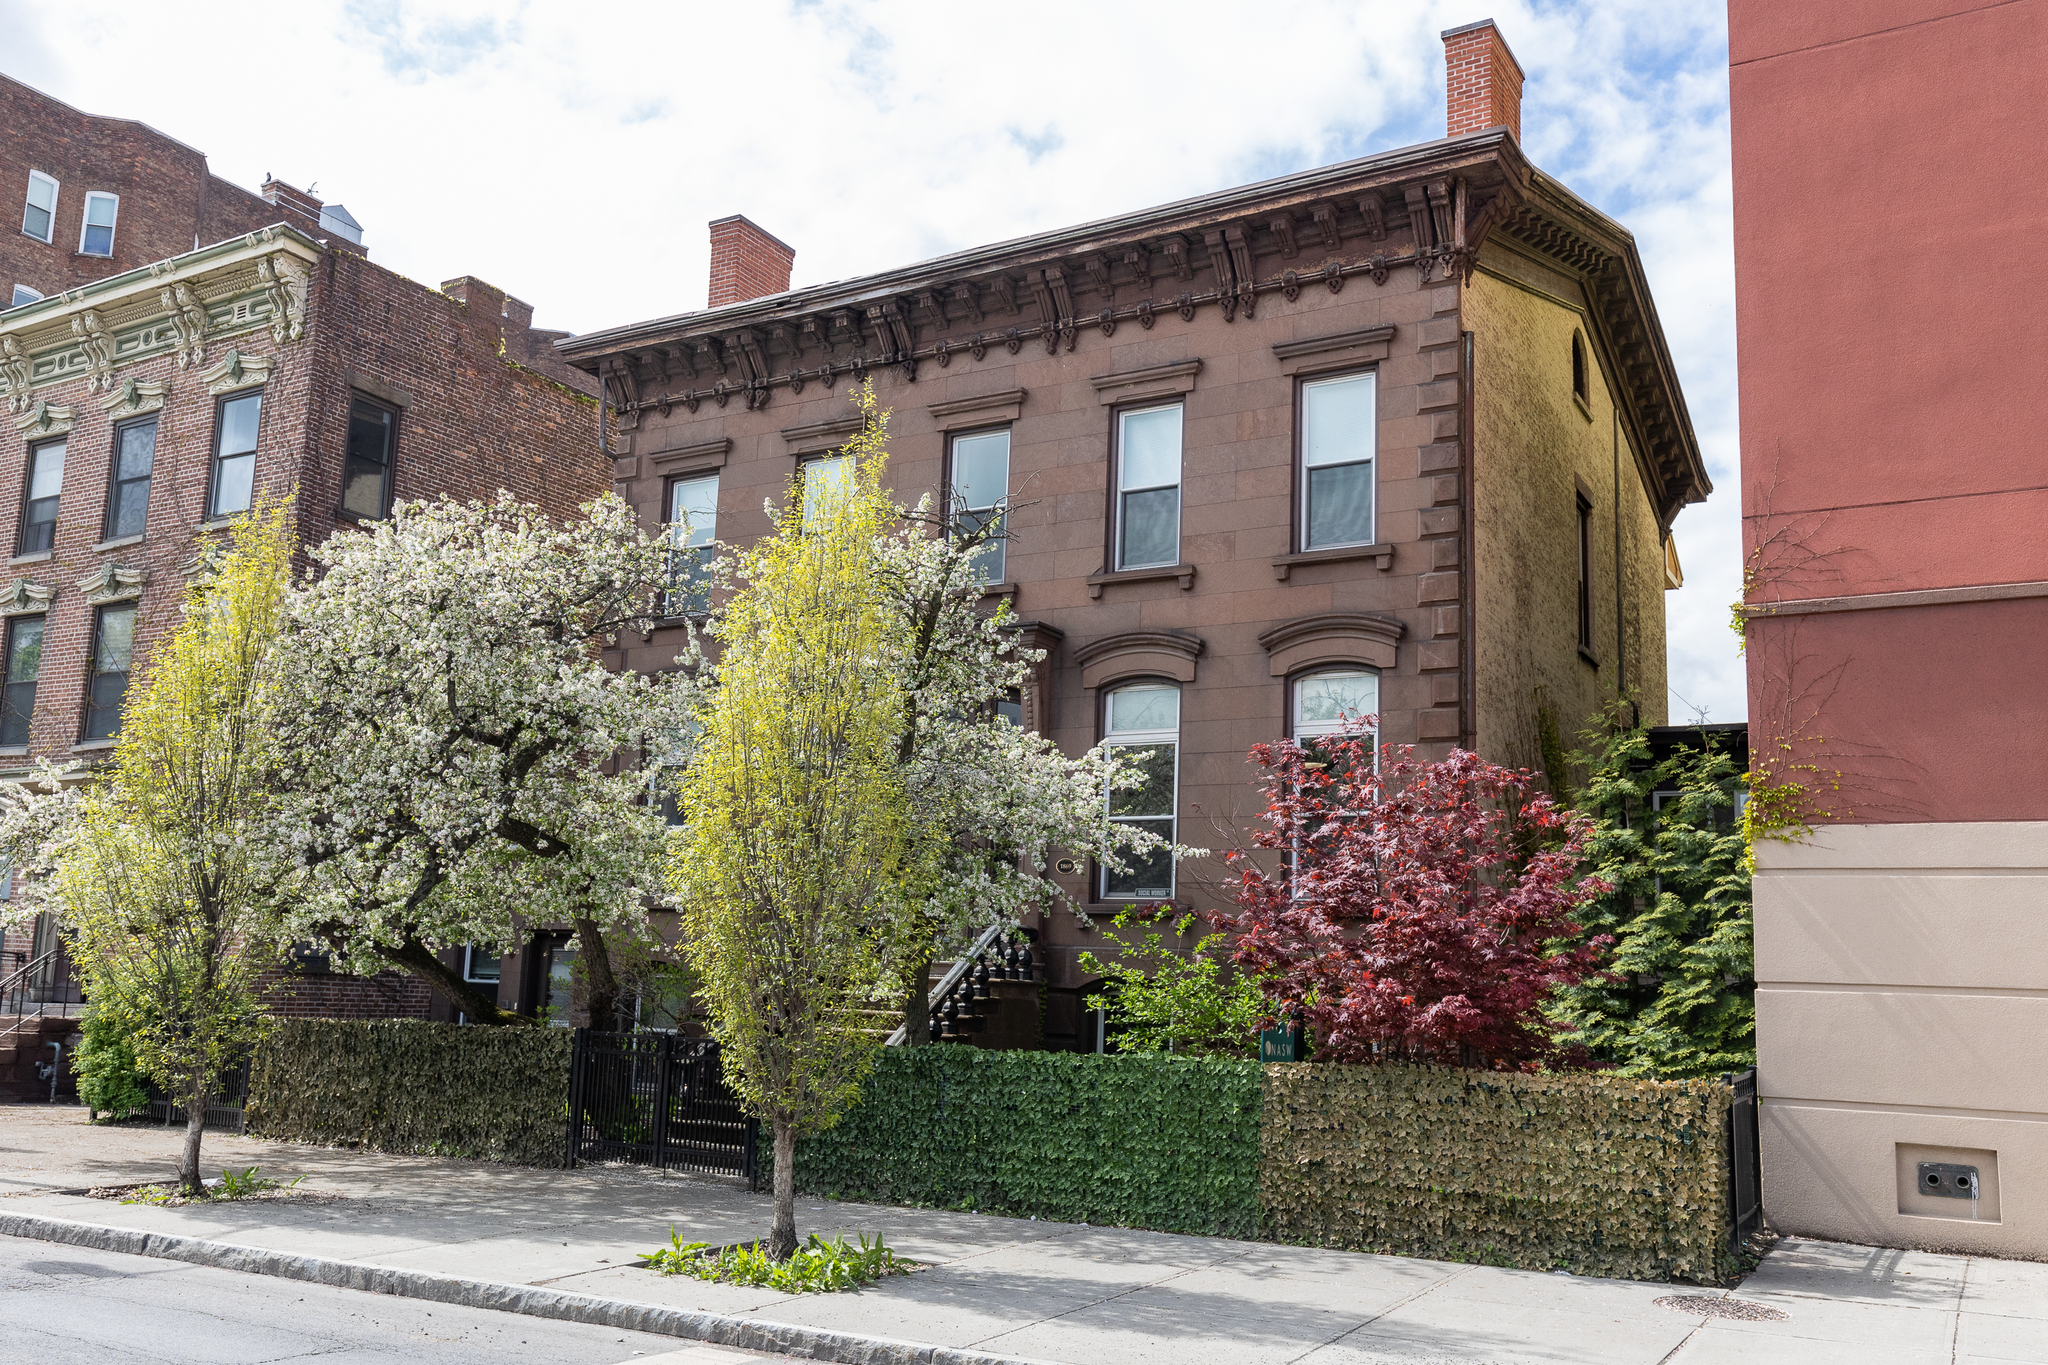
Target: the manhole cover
pixel 1713 1306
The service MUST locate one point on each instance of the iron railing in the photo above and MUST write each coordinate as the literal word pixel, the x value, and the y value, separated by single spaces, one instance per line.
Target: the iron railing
pixel 43 987
pixel 1745 1169
pixel 226 1108
pixel 653 1099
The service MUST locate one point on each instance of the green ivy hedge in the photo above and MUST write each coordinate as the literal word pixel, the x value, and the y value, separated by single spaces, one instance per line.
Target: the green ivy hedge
pixel 1157 1142
pixel 1596 1174
pixel 408 1086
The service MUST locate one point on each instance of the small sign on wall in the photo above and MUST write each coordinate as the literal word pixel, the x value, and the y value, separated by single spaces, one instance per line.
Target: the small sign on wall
pixel 1283 1044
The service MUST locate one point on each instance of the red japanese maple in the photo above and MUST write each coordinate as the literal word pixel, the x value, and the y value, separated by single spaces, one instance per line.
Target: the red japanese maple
pixel 1424 910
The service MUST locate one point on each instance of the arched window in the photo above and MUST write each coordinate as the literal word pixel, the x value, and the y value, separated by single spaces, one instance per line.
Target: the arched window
pixel 1579 378
pixel 1145 719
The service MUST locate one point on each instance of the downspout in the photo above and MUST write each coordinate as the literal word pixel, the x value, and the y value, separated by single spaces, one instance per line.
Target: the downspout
pixel 1468 575
pixel 1620 635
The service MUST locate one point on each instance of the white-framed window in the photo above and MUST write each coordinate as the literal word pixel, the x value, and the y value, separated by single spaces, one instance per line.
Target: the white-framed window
pixel 482 965
pixel 1148 449
pixel 1329 703
pixel 96 231
pixel 24 296
pixel 825 479
pixel 1339 439
pixel 39 216
pixel 693 537
pixel 1145 717
pixel 980 493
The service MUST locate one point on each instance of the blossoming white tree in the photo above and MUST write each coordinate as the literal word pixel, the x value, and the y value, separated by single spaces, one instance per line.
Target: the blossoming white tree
pixel 452 735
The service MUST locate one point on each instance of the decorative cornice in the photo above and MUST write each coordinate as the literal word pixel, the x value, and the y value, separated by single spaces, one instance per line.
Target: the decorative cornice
pixel 1138 653
pixel 133 399
pixel 813 437
pixel 45 419
pixel 700 455
pixel 238 371
pixel 23 598
pixel 112 582
pixel 1332 638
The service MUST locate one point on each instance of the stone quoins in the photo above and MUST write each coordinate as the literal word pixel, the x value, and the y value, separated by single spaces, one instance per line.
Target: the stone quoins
pixel 1138 654
pixel 1332 638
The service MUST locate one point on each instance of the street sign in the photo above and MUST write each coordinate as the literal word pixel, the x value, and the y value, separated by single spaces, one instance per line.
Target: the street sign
pixel 1283 1044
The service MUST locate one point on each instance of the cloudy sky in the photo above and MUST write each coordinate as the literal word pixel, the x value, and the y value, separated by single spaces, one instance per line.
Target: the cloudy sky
pixel 572 153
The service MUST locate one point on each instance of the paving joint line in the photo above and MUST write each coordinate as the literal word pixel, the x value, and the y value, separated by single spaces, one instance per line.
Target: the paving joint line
pixel 1112 1298
pixel 718 1329
pixel 1403 1303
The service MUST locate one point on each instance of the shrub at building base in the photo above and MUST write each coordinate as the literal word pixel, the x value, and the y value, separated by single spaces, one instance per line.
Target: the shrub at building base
pixel 1147 1141
pixel 408 1086
pixel 1595 1174
pixel 109 1082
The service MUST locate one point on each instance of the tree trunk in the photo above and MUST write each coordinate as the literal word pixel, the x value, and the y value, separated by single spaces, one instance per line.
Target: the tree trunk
pixel 917 1006
pixel 600 987
pixel 782 1241
pixel 415 957
pixel 195 1127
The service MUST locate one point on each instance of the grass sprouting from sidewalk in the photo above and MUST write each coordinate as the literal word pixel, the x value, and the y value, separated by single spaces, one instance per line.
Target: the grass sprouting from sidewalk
pixel 817 1267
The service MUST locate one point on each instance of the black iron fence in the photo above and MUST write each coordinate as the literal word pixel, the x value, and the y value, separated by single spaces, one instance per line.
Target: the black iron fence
pixel 225 1108
pixel 653 1099
pixel 1745 1170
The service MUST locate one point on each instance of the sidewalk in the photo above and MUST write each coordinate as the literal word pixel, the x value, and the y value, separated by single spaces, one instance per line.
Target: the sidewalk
pixel 1028 1290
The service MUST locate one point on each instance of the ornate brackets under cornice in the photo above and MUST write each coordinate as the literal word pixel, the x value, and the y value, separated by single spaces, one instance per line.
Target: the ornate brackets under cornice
pixel 23 598
pixel 14 374
pixel 1332 638
pixel 1138 654
pixel 238 371
pixel 133 399
pixel 112 583
pixel 89 332
pixel 284 285
pixel 43 420
pixel 188 321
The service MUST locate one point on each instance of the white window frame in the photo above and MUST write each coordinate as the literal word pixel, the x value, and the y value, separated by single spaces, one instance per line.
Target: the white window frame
pixel 33 297
pixel 1371 460
pixel 469 952
pixel 809 468
pixel 1144 739
pixel 681 535
pixel 85 223
pixel 29 203
pixel 1179 484
pixel 995 553
pixel 1301 729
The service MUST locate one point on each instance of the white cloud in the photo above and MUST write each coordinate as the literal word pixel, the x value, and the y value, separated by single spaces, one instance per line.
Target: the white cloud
pixel 574 153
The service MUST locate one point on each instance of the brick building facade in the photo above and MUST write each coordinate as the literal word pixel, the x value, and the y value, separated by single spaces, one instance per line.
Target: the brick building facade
pixel 164 388
pixel 1400 432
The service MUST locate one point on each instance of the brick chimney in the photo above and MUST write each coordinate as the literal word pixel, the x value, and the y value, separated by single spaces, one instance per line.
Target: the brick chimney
pixel 1482 81
pixel 299 208
pixel 746 263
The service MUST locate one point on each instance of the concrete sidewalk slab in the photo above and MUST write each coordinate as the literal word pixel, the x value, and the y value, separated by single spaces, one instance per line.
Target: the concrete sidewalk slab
pixel 1007 1288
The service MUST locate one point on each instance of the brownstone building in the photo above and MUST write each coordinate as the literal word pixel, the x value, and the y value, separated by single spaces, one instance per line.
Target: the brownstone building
pixel 1401 435
pixel 200 349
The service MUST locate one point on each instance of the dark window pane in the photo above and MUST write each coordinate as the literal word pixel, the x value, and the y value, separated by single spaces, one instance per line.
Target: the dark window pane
pixel 1340 505
pixel 138 451
pixel 99 241
pixel 36 223
pixel 24 661
pixel 132 465
pixel 39 509
pixel 1155 795
pixel 989 560
pixel 234 463
pixel 1151 529
pixel 238 424
pixel 113 646
pixel 365 480
pixel 1149 876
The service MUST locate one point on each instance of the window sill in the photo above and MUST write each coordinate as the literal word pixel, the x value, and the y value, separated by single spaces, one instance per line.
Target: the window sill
pixel 1587 655
pixel 218 523
pixel 1382 553
pixel 39 557
pixel 344 514
pixel 118 543
pixel 1585 410
pixel 13 751
pixel 88 746
pixel 1184 572
pixel 999 590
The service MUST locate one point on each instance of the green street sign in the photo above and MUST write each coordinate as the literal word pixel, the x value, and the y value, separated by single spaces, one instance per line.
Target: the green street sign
pixel 1282 1044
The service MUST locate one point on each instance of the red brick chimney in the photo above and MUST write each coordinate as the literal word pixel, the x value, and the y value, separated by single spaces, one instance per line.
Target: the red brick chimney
pixel 746 263
pixel 1482 81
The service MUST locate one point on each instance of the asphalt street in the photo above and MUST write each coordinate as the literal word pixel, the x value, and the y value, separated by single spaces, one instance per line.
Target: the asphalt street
pixel 70 1306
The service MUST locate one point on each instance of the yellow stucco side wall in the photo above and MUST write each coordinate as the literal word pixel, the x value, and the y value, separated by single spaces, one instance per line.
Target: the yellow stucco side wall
pixel 1534 446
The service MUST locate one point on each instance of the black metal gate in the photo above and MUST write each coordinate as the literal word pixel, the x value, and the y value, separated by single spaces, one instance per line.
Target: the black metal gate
pixel 653 1099
pixel 1745 1170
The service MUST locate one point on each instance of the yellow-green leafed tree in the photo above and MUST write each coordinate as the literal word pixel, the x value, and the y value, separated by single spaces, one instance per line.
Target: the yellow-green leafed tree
pixel 163 880
pixel 795 830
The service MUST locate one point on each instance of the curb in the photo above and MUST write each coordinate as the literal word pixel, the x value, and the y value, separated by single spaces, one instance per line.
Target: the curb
pixel 750 1334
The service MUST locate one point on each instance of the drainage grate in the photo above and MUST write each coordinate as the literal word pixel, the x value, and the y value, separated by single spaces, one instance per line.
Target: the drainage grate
pixel 1713 1306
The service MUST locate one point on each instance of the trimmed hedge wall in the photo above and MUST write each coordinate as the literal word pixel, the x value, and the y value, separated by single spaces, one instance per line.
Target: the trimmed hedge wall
pixel 1157 1142
pixel 404 1085
pixel 1590 1173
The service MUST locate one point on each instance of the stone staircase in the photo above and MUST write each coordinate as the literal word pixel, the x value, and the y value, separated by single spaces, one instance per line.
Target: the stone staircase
pixel 991 1001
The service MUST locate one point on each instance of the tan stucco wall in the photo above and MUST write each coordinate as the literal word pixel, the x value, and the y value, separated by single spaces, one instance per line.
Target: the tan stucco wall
pixel 1902 1008
pixel 1530 439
